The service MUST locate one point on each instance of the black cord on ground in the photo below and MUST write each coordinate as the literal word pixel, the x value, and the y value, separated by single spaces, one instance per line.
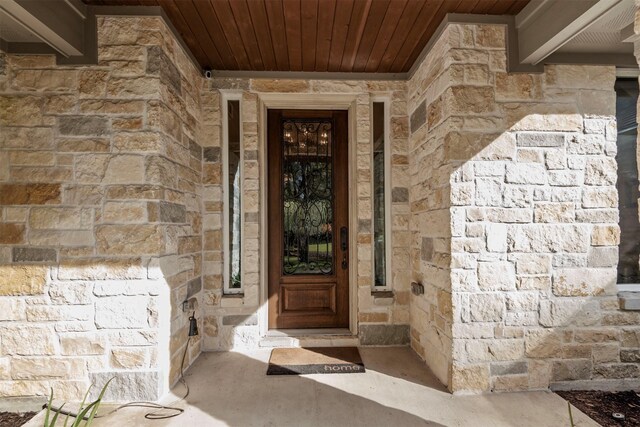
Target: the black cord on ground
pixel 154 415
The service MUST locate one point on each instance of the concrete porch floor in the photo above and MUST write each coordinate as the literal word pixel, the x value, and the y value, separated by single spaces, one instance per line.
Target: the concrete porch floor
pixel 397 390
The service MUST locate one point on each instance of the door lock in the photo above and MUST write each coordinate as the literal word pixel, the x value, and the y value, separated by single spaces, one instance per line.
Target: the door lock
pixel 344 238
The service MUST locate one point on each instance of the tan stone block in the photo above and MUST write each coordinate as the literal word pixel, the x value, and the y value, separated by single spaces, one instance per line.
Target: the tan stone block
pixel 373 317
pixel 101 269
pixel 543 343
pixel 148 87
pixel 584 282
pixel 112 106
pixel 127 123
pixel 518 87
pixel 129 239
pixel 11 233
pixel 27 340
pixel 20 110
pixel 30 368
pixel 95 145
pixel 93 82
pixel 59 218
pixel 605 235
pixel 153 192
pixel 22 280
pixel 45 80
pixel 124 169
pixel 466 378
pixel 29 194
pixel 42 174
pixel 124 212
pixel 279 85
pixel 554 212
pixel 31 61
pixel 61 237
pixel 26 138
pixel 60 104
pixel 138 141
pixel 114 31
pixel 490 36
pixel 129 358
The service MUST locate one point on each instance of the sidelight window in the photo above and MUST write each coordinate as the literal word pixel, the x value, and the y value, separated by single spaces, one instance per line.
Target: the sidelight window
pixel 381 194
pixel 629 251
pixel 232 184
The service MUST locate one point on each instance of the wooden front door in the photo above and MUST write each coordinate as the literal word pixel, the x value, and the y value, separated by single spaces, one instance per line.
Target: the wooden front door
pixel 308 219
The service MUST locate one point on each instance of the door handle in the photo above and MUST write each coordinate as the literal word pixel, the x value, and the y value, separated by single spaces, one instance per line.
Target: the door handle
pixel 344 238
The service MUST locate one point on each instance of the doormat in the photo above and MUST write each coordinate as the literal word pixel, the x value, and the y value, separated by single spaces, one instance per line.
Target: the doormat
pixel 316 360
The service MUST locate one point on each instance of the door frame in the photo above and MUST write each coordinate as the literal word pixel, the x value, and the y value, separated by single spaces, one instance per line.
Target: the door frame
pixel 308 101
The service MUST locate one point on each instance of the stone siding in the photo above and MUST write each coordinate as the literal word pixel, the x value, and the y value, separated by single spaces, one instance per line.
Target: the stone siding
pixel 100 201
pixel 530 161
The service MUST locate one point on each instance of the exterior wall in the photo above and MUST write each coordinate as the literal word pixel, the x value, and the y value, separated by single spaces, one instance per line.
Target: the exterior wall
pixel 430 189
pixel 100 224
pixel 232 321
pixel 533 221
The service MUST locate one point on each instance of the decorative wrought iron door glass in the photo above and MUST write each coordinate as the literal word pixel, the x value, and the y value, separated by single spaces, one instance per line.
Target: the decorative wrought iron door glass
pixel 307 191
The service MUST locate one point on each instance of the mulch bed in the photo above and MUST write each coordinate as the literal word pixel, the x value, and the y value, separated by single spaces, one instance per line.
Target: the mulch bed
pixel 11 419
pixel 599 405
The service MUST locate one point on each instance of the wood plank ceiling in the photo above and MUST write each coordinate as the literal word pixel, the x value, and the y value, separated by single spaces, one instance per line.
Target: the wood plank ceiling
pixel 374 36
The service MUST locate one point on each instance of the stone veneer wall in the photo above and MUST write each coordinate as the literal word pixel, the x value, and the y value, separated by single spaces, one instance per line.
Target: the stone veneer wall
pixel 100 208
pixel 231 321
pixel 531 171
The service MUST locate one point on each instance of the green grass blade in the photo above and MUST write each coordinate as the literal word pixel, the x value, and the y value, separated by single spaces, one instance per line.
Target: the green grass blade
pixel 570 415
pixel 55 417
pixel 46 416
pixel 66 420
pixel 95 408
pixel 83 414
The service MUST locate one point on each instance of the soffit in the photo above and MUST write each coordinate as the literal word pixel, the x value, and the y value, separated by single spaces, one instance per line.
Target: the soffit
pixel 606 34
pixel 372 36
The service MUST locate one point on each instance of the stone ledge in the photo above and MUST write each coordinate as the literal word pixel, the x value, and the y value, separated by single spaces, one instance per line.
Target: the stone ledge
pixel 629 300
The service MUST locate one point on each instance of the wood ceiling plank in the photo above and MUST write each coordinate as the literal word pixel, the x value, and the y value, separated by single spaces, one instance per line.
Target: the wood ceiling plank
pixel 262 30
pixel 412 11
pixel 484 6
pixel 292 20
pixel 173 12
pixel 231 31
pixel 240 12
pixel 216 34
pixel 339 33
pixel 199 30
pixel 501 7
pixel 357 23
pixel 516 7
pixel 372 28
pixel 445 7
pixel 467 6
pixel 422 26
pixel 275 16
pixel 309 19
pixel 387 29
pixel 326 17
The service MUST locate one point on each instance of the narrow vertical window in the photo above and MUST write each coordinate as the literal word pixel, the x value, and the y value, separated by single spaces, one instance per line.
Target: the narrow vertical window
pixel 232 181
pixel 381 212
pixel 629 251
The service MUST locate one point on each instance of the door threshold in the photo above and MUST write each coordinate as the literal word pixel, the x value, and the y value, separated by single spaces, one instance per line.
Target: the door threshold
pixel 309 332
pixel 278 338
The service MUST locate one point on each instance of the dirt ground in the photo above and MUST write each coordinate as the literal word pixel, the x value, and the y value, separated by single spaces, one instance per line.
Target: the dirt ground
pixel 601 405
pixel 10 419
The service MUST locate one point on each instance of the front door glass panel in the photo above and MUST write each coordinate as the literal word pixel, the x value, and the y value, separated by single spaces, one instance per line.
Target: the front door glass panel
pixel 307 197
